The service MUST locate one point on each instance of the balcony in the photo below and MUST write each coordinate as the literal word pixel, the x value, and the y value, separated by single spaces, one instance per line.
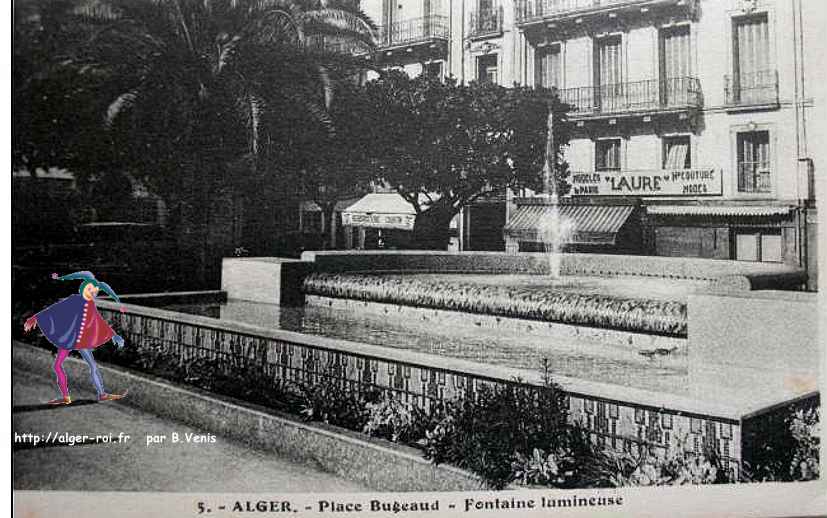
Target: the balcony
pixel 416 30
pixel 754 177
pixel 638 97
pixel 486 23
pixel 534 11
pixel 757 90
pixel 353 48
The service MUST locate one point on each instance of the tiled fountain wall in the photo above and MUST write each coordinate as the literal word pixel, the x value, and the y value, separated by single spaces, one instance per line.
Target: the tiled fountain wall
pixel 618 418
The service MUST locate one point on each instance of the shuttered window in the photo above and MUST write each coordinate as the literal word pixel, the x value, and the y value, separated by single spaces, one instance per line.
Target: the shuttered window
pixel 675 53
pixel 609 73
pixel 547 66
pixel 675 65
pixel 676 153
pixel 753 75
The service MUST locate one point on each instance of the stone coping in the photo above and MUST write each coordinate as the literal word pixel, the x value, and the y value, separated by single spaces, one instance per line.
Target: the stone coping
pixel 731 410
pixel 264 259
pixel 537 262
pixel 181 297
pixel 378 463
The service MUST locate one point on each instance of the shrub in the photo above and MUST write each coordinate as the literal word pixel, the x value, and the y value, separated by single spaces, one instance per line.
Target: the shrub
pixel 331 401
pixel 783 445
pixel 398 421
pixel 673 468
pixel 484 433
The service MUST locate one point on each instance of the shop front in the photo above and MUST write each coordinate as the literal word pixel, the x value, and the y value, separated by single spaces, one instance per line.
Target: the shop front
pixel 382 221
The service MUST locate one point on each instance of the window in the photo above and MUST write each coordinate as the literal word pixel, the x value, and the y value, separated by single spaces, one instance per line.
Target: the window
pixel 753 78
pixel 607 155
pixel 608 72
pixel 677 152
pixel 675 65
pixel 487 68
pixel 763 246
pixel 754 174
pixel 434 69
pixel 547 66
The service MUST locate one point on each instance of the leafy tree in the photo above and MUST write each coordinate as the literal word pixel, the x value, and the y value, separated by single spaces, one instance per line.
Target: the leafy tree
pixel 441 145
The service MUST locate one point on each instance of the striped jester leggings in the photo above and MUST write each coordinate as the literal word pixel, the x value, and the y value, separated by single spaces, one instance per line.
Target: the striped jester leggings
pixel 63 382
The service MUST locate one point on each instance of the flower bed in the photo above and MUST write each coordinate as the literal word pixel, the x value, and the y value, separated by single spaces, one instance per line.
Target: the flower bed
pixel 660 317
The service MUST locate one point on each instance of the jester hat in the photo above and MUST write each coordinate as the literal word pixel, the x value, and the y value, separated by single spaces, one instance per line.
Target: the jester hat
pixel 88 278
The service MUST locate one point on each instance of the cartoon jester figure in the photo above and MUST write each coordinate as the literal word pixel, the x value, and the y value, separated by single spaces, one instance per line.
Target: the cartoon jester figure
pixel 74 324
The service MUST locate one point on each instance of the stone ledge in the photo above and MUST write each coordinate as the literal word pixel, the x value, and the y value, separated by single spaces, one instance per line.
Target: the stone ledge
pixel 379 464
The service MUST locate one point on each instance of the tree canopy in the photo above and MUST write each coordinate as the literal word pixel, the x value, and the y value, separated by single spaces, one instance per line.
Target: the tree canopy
pixel 442 145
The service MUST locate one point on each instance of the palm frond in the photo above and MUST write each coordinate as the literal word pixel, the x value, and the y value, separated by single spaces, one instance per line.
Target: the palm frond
pixel 339 21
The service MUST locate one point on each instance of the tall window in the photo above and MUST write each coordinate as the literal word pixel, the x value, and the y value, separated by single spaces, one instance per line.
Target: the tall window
pixel 607 155
pixel 675 64
pixel 547 66
pixel 753 79
pixel 754 173
pixel 677 153
pixel 487 68
pixel 609 73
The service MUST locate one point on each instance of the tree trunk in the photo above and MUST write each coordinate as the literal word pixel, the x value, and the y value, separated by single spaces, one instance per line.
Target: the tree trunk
pixel 432 228
pixel 327 216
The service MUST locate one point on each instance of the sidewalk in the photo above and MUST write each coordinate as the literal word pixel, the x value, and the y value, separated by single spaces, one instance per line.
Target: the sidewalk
pixel 92 464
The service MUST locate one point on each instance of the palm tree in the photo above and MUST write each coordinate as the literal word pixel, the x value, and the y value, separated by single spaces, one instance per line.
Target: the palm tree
pixel 204 92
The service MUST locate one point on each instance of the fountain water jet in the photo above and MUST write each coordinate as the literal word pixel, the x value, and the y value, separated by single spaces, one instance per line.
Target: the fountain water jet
pixel 554 231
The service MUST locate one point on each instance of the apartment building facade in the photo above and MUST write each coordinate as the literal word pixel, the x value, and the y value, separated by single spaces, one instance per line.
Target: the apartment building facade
pixel 691 116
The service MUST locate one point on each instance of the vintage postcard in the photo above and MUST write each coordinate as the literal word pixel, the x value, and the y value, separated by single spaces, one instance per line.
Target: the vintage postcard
pixel 417 258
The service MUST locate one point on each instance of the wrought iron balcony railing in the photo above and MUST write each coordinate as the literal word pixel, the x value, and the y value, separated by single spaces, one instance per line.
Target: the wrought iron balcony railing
pixel 414 30
pixel 347 47
pixel 649 95
pixel 757 88
pixel 486 21
pixel 533 10
pixel 754 177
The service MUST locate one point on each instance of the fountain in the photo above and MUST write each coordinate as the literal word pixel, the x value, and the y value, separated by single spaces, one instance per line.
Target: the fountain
pixel 554 232
pixel 625 336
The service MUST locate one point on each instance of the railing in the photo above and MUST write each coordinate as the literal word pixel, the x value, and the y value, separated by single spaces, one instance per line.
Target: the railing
pixel 530 10
pixel 486 21
pixel 424 380
pixel 754 177
pixel 415 30
pixel 346 47
pixel 752 89
pixel 653 94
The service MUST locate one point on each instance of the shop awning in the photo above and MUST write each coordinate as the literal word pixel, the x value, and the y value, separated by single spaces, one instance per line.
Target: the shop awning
pixel 592 224
pixel 716 210
pixel 380 210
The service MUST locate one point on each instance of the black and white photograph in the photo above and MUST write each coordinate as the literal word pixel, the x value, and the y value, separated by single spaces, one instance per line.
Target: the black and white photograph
pixel 417 258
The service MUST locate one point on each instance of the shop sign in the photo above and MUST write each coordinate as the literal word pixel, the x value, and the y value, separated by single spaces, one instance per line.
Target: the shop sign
pixel 361 219
pixel 678 182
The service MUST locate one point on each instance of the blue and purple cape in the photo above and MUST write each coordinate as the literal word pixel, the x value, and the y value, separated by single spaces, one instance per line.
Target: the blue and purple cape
pixel 74 323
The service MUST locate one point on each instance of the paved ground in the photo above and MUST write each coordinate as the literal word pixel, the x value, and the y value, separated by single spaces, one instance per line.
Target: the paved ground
pixel 90 464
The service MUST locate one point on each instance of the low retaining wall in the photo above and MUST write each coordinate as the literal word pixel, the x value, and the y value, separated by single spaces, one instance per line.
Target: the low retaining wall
pixel 617 417
pixel 376 463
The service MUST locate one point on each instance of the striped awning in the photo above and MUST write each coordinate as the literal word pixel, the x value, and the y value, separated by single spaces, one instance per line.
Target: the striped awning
pixel 723 210
pixel 591 224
